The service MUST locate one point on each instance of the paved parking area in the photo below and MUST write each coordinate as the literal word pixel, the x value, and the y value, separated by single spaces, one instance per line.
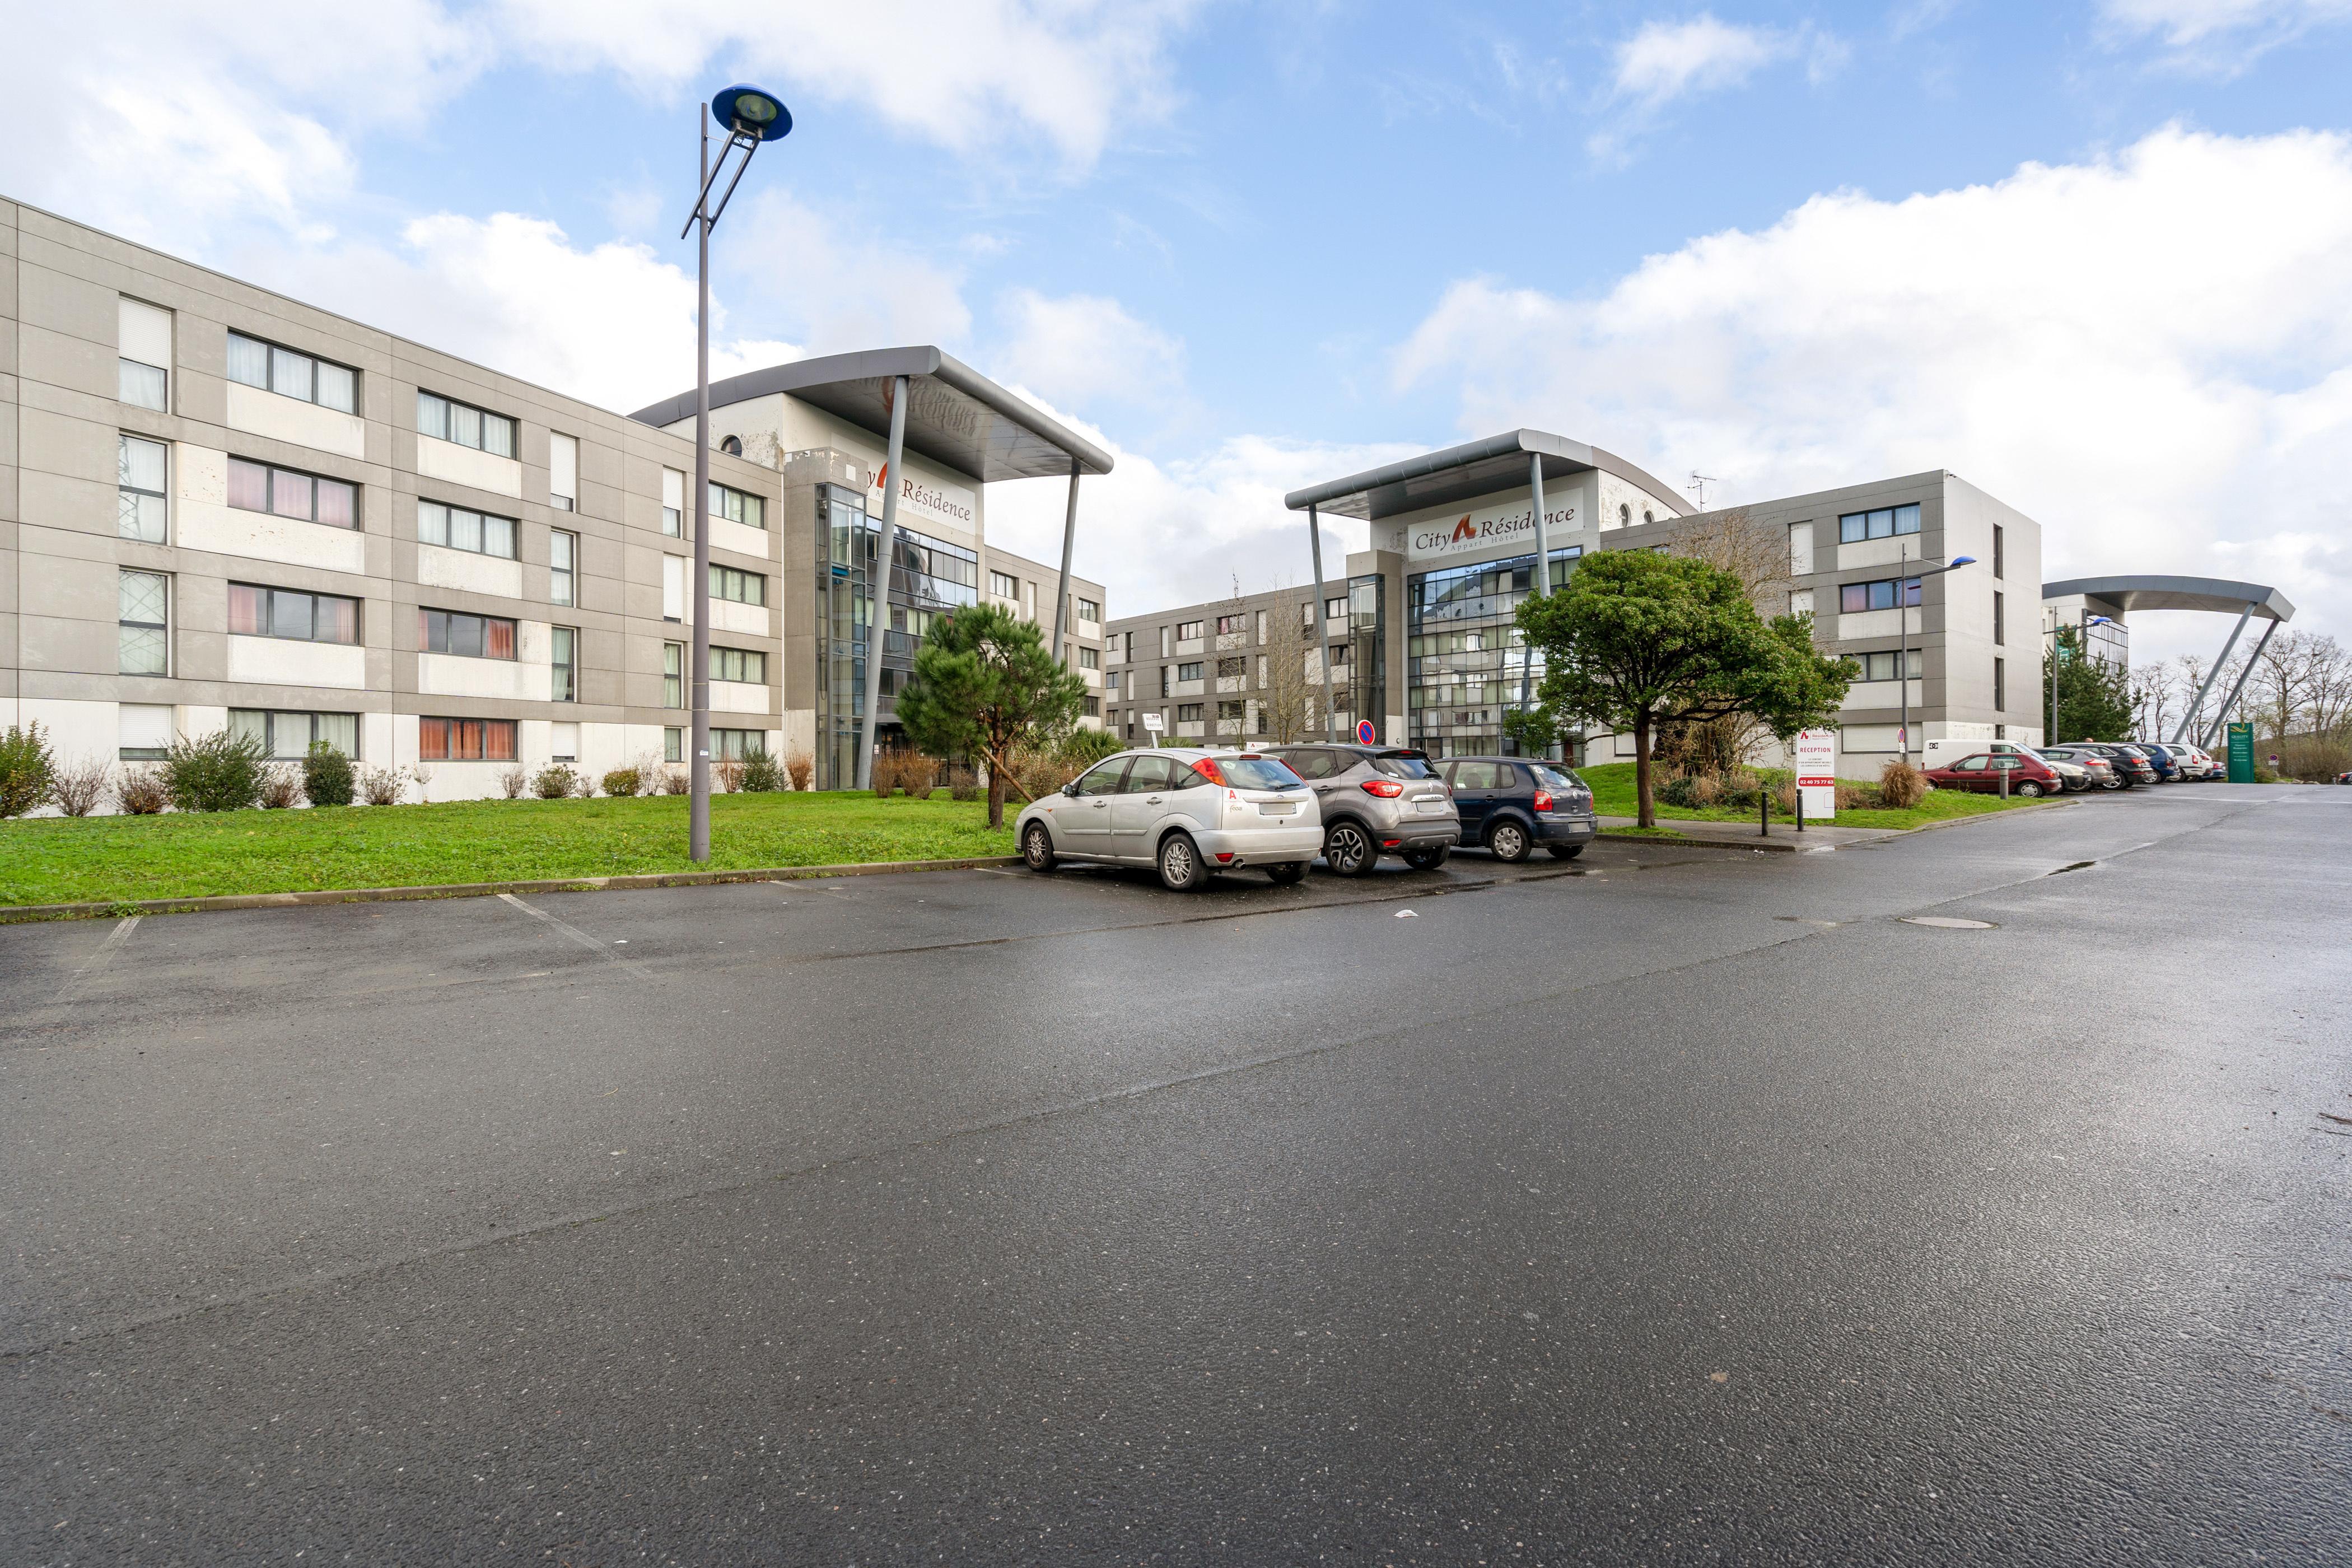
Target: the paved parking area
pixel 1693 1205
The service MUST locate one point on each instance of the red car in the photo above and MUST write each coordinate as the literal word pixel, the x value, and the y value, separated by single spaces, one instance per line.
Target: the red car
pixel 1983 771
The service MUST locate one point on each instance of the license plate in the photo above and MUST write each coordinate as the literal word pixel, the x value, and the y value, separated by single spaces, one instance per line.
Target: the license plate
pixel 1430 807
pixel 1281 808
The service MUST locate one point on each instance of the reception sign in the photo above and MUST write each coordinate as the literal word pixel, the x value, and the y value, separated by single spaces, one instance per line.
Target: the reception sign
pixel 1817 774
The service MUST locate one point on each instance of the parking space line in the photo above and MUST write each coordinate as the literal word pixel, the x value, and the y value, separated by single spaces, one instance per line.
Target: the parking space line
pixel 599 949
pixel 106 950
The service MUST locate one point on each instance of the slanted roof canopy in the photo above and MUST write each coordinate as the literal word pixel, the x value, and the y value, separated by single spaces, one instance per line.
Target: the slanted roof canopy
pixel 2213 594
pixel 1461 473
pixel 955 416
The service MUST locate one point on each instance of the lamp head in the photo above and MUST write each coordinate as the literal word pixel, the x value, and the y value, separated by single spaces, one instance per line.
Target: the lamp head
pixel 2099 621
pixel 1964 561
pixel 753 112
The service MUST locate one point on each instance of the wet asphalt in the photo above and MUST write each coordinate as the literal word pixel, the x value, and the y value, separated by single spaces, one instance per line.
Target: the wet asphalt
pixel 1683 1205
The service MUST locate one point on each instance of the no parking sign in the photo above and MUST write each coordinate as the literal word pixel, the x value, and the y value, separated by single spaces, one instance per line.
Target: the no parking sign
pixel 1365 734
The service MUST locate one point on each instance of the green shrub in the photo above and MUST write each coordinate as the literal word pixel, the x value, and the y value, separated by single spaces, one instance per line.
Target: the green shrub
pixel 141 792
pixel 554 782
pixel 326 775
pixel 620 783
pixel 27 770
pixel 219 772
pixel 761 775
pixel 1086 747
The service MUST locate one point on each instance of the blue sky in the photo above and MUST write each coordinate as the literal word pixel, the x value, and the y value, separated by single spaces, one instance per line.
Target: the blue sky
pixel 2095 257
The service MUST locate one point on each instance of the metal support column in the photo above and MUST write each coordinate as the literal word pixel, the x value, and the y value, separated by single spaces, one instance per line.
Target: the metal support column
pixel 1061 594
pixel 1539 581
pixel 878 611
pixel 697 604
pixel 1322 634
pixel 2222 718
pixel 2214 674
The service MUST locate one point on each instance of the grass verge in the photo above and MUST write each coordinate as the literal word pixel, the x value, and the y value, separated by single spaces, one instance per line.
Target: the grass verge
pixel 56 860
pixel 1613 796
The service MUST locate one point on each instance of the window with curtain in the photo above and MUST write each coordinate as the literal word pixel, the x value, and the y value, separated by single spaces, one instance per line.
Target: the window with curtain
pixel 466 739
pixel 144 338
pixel 461 528
pixel 737 506
pixel 1089 611
pixel 1854 598
pixel 673 675
pixel 467 636
pixel 563 655
pixel 563 563
pixel 291 373
pixel 141 466
pixel 254 611
pixel 742 587
pixel 462 424
pixel 1882 523
pixel 145 604
pixel 286 492
pixel 289 736
pixel 739 664
pixel 734 745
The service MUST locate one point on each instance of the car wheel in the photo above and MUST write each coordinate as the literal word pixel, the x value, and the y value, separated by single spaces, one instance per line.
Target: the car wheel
pixel 1349 850
pixel 1428 860
pixel 1038 847
pixel 1564 851
pixel 1289 873
pixel 2029 789
pixel 1181 867
pixel 1509 842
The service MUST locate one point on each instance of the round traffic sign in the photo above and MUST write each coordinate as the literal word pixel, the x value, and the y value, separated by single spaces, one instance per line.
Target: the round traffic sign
pixel 1365 733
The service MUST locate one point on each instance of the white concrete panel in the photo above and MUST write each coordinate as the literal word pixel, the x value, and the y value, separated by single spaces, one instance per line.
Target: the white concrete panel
pixel 1876 623
pixel 76 730
pixel 1800 549
pixel 145 726
pixel 463 781
pixel 738 696
pixel 258 536
pixel 198 722
pixel 739 537
pixel 403 741
pixel 744 620
pixel 673 569
pixel 468 571
pixel 798 733
pixel 1883 694
pixel 289 419
pixel 454 675
pixel 282 661
pixel 439 459
pixel 1878 552
pixel 375 736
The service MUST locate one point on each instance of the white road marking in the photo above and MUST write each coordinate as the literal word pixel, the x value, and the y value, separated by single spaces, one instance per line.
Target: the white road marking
pixel 581 937
pixel 114 939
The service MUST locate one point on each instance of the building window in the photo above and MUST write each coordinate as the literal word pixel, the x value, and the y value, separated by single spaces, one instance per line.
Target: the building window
pixel 1188 631
pixel 1228 624
pixel 2000 685
pixel 673 675
pixel 466 739
pixel 144 601
pixel 564 658
pixel 285 492
pixel 1232 708
pixel 143 340
pixel 673 744
pixel 1004 585
pixel 458 528
pixel 142 732
pixel 1091 706
pixel 673 504
pixel 742 587
pixel 563 472
pixel 1090 660
pixel 467 636
pixel 1189 671
pixel 1232 668
pixel 732 444
pixel 1335 609
pixel 464 425
pixel 1110 684
pixel 562 565
pixel 288 737
pixel 1164 642
pixel 1885 522
pixel 1307 616
pixel 738 506
pixel 1649 516
pixel 1853 598
pixel 1624 514
pixel 2000 618
pixel 743 664
pixel 1998 542
pixel 257 612
pixel 734 745
pixel 303 377
pixel 1188 712
pixel 140 467
pixel 1881 666
pixel 1164 676
pixel 564 741
pixel 1089 611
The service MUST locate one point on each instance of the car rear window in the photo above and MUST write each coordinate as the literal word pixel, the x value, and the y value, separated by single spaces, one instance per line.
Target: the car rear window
pixel 1257 772
pixel 1405 765
pixel 1551 778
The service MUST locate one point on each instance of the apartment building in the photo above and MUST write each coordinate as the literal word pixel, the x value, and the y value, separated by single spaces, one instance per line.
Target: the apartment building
pixel 220 506
pixel 1025 588
pixel 1248 669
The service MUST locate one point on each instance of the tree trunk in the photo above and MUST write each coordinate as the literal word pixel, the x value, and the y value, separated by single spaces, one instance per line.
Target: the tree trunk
pixel 995 798
pixel 1648 816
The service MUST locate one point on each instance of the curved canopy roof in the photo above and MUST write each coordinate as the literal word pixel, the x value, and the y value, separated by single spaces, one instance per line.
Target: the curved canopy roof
pixel 955 416
pixel 2217 595
pixel 1473 469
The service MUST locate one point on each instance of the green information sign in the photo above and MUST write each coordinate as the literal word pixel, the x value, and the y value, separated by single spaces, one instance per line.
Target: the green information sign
pixel 2242 753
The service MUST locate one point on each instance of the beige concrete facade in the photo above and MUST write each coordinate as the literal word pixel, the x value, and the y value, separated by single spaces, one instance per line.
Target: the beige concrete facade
pixel 1031 599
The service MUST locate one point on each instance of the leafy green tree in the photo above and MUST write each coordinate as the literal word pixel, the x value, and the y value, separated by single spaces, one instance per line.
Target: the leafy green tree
pixel 327 777
pixel 1532 729
pixel 1637 638
pixel 2094 697
pixel 219 772
pixel 985 686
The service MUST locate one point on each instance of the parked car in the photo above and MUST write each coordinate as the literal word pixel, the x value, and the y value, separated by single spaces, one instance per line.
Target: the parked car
pixel 2132 770
pixel 1510 804
pixel 2167 770
pixel 2098 771
pixel 1376 801
pixel 1982 772
pixel 2071 774
pixel 2196 762
pixel 1190 813
pixel 2344 778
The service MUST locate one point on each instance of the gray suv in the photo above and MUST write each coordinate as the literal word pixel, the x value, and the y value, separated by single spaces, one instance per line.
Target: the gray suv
pixel 1376 801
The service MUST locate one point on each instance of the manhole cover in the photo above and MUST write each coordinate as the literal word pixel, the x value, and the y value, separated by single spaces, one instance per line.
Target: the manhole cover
pixel 1945 922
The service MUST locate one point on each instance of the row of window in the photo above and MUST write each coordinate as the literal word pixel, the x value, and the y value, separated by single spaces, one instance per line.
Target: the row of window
pixel 1879 522
pixel 288 737
pixel 1856 598
pixel 462 424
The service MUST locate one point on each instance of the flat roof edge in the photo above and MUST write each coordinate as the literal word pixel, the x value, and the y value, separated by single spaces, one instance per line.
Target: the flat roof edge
pixel 2218 595
pixel 1485 449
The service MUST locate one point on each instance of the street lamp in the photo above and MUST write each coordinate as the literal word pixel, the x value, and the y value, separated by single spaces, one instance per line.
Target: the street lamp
pixel 1903 632
pixel 751 116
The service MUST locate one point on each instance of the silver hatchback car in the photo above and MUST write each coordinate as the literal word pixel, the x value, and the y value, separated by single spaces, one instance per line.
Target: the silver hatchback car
pixel 1191 813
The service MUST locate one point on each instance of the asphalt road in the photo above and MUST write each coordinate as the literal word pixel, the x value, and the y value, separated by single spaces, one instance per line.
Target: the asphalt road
pixel 1695 1207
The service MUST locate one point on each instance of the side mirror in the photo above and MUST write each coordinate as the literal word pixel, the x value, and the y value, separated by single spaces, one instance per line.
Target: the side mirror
pixel 1071 788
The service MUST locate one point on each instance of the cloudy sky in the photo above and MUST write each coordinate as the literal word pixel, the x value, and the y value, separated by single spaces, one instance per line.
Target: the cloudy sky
pixel 2095 257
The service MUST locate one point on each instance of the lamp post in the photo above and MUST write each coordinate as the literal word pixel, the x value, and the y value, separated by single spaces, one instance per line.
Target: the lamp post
pixel 750 116
pixel 1903 632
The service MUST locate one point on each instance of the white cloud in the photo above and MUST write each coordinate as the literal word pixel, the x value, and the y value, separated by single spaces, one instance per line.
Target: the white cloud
pixel 834 288
pixel 1666 60
pixel 2151 354
pixel 1082 349
pixel 2181 23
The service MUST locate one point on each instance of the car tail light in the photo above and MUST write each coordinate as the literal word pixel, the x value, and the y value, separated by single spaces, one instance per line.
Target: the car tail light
pixel 1207 768
pixel 1387 789
pixel 1543 800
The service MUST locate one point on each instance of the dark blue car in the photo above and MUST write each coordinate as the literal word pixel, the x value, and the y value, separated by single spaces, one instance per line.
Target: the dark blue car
pixel 2167 768
pixel 1510 804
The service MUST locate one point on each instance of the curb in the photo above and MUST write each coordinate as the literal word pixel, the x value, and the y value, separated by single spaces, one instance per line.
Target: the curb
pixel 25 913
pixel 1761 845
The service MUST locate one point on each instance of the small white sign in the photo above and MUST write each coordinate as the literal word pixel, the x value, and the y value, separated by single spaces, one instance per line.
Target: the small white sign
pixel 1817 772
pixel 1153 723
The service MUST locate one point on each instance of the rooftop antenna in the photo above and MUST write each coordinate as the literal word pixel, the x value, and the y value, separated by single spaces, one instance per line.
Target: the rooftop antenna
pixel 1697 487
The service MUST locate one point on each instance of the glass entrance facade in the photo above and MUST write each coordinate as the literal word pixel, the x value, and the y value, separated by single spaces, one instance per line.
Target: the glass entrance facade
pixel 846 554
pixel 1465 663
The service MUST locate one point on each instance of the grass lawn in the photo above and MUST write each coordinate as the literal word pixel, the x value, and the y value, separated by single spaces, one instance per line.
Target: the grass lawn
pixel 1613 796
pixel 56 860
